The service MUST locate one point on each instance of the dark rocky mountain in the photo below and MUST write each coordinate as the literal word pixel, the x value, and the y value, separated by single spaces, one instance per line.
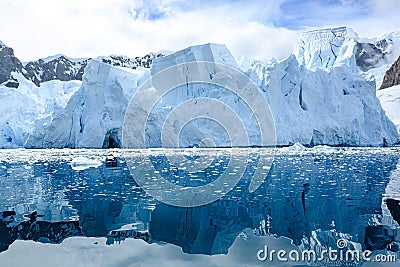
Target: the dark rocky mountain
pixel 8 64
pixel 392 75
pixel 58 67
pixel 132 63
pixel 371 55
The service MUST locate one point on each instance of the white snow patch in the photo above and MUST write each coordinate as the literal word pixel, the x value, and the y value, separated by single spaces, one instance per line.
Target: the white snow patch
pixel 377 74
pixel 390 101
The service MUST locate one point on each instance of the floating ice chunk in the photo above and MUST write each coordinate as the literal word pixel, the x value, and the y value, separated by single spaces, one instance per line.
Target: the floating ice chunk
pixel 297 147
pixel 324 148
pixel 82 163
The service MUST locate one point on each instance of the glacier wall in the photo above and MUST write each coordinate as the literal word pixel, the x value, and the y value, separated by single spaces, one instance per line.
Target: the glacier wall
pixel 94 115
pixel 23 106
pixel 317 96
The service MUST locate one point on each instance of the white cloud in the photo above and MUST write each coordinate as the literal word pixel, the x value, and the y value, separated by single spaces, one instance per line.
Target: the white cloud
pixel 383 18
pixel 91 28
pixel 88 28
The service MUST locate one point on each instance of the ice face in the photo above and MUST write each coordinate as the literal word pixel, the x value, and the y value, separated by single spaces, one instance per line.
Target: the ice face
pixel 93 116
pixel 317 96
pixel 315 105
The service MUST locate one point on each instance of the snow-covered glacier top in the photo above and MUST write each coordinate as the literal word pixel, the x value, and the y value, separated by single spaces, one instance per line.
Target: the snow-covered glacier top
pixel 218 53
pixel 326 48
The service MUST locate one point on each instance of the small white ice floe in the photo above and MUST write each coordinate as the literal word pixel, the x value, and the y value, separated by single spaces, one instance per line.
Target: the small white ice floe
pixel 297 147
pixel 82 163
pixel 324 148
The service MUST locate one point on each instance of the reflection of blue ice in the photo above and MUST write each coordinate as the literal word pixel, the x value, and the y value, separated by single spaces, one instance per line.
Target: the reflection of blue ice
pixel 304 191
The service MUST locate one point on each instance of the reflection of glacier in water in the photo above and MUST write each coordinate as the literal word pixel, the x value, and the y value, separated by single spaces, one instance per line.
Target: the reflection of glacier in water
pixel 308 195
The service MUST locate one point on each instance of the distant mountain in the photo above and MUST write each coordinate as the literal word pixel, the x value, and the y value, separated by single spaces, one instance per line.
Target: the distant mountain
pixel 372 55
pixel 58 67
pixel 8 64
pixel 375 56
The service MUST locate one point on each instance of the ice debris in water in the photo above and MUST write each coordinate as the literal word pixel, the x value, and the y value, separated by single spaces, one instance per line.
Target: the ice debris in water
pixel 82 163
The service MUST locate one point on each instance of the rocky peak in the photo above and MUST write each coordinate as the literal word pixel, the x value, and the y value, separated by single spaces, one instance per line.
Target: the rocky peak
pixel 60 68
pixel 8 63
pixel 371 55
pixel 392 76
pixel 132 63
pixel 65 69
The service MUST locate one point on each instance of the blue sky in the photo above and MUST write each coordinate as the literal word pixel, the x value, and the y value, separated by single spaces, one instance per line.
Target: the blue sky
pixel 260 29
pixel 290 14
pixel 299 14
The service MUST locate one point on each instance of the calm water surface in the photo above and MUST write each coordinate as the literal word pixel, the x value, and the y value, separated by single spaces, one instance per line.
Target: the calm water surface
pixel 309 200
